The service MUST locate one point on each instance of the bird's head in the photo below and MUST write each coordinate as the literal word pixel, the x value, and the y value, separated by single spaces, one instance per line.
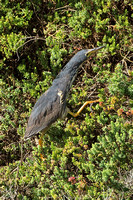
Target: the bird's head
pixel 80 57
pixel 83 54
pixel 92 51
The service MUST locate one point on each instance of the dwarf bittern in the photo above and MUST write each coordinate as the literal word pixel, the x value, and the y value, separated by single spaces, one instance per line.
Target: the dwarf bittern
pixel 52 104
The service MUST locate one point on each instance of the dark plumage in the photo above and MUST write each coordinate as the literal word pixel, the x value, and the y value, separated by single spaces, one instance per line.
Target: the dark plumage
pixel 52 104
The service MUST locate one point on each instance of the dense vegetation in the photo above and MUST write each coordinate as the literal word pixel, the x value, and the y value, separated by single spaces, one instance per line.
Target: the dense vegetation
pixel 89 157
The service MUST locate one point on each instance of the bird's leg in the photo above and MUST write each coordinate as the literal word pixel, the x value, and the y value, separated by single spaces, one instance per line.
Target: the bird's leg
pixel 82 107
pixel 40 141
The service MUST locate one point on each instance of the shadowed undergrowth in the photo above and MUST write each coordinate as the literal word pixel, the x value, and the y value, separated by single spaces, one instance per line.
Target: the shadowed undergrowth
pixel 88 157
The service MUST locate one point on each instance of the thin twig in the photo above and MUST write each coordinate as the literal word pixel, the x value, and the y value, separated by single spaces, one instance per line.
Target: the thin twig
pixel 31 38
pixel 67 6
pixel 124 57
pixel 21 148
pixel 91 93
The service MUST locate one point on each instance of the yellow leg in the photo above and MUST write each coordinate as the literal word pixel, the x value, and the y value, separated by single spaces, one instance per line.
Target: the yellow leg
pixel 82 107
pixel 40 141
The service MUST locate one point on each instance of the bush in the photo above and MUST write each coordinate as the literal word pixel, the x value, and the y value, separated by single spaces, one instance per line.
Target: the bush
pixel 89 157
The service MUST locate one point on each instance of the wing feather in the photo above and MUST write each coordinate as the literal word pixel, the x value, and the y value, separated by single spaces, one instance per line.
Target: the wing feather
pixel 49 107
pixel 45 112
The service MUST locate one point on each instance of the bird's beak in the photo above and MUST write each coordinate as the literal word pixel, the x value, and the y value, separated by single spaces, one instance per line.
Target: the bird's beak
pixel 92 51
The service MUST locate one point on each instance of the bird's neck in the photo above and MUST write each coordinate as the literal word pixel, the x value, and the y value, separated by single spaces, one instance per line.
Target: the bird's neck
pixel 70 69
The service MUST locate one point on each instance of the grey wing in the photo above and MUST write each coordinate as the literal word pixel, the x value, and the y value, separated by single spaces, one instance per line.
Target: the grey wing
pixel 46 111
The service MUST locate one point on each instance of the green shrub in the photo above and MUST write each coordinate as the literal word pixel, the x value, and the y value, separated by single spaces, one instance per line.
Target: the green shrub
pixel 88 157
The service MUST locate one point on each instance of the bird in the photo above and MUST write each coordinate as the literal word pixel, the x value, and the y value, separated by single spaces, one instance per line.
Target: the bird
pixel 52 104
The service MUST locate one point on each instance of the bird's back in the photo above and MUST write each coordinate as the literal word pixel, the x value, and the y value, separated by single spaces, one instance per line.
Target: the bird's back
pixel 49 107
